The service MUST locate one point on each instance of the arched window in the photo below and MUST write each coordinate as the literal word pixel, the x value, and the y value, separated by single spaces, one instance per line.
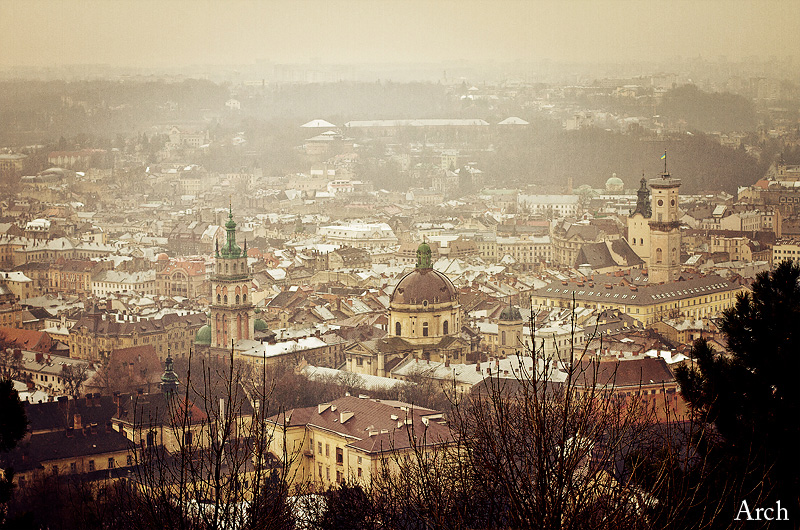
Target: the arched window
pixel 237 299
pixel 659 256
pixel 244 298
pixel 226 268
pixel 446 327
pixel 503 339
pixel 424 329
pixel 397 328
pixel 225 298
pixel 218 298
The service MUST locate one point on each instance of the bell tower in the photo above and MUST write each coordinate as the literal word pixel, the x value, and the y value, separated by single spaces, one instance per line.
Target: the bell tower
pixel 232 314
pixel 665 233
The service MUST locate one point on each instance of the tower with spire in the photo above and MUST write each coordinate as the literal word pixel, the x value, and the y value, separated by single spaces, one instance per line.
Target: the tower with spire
pixel 169 379
pixel 639 222
pixel 232 315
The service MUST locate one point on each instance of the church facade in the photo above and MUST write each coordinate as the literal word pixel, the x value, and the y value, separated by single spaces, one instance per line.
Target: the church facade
pixel 424 321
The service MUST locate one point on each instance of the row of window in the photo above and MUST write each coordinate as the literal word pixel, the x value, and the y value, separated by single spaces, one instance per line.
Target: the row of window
pixel 398 328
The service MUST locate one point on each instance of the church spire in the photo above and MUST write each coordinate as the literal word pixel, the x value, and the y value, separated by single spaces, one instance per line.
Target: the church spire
pixel 231 249
pixel 643 205
pixel 169 379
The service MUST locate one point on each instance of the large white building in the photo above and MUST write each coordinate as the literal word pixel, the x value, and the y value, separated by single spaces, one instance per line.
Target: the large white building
pixel 555 205
pixel 110 282
pixel 359 235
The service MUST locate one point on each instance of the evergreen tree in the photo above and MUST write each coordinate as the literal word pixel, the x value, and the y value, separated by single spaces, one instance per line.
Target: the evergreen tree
pixel 13 425
pixel 749 394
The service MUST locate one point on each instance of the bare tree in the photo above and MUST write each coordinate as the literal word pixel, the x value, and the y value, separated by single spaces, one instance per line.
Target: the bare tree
pixel 202 455
pixel 73 376
pixel 548 446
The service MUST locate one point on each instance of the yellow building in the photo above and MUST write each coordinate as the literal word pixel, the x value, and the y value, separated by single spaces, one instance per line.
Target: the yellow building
pixel 699 296
pixel 654 228
pixel 349 438
pixel 96 333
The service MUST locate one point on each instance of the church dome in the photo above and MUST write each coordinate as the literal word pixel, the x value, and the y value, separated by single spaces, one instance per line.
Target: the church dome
pixel 423 285
pixel 510 313
pixel 615 184
pixel 203 335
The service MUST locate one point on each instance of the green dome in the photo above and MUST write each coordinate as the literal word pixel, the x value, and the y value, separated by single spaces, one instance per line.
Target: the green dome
pixel 510 313
pixel 259 325
pixel 203 335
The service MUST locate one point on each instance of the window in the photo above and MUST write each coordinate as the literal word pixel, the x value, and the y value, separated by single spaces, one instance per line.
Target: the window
pixel 359 472
pixel 111 463
pixel 319 450
pixel 397 328
pixel 55 469
pixel 151 438
pixel 320 471
pixel 129 460
pixel 424 329
pixel 339 456
pixel 328 473
pixel 359 460
pixel 445 327
pixel 91 465
pixel 237 299
pixel 327 449
pixel 359 361
pixel 503 340
pixel 187 438
pixel 73 467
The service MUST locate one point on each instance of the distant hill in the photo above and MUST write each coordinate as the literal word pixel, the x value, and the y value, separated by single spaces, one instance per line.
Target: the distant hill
pixel 546 154
pixel 708 111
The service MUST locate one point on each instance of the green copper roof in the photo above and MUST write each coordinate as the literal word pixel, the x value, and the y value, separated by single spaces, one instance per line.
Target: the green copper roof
pixel 169 379
pixel 203 335
pixel 230 249
pixel 424 260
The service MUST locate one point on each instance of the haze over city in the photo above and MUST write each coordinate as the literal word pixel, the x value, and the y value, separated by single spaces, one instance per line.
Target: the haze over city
pixel 178 33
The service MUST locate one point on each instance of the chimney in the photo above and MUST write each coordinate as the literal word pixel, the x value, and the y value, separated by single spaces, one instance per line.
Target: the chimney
pixel 478 367
pixel 76 421
pixel 447 362
pixel 39 357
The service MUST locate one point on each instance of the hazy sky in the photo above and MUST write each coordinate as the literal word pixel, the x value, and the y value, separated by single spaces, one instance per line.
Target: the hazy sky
pixel 181 32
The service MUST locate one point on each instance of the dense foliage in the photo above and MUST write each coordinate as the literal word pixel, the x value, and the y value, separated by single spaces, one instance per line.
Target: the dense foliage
pixel 749 394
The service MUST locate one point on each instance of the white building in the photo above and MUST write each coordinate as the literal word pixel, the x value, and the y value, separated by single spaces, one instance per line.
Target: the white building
pixel 111 282
pixel 359 235
pixel 555 205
